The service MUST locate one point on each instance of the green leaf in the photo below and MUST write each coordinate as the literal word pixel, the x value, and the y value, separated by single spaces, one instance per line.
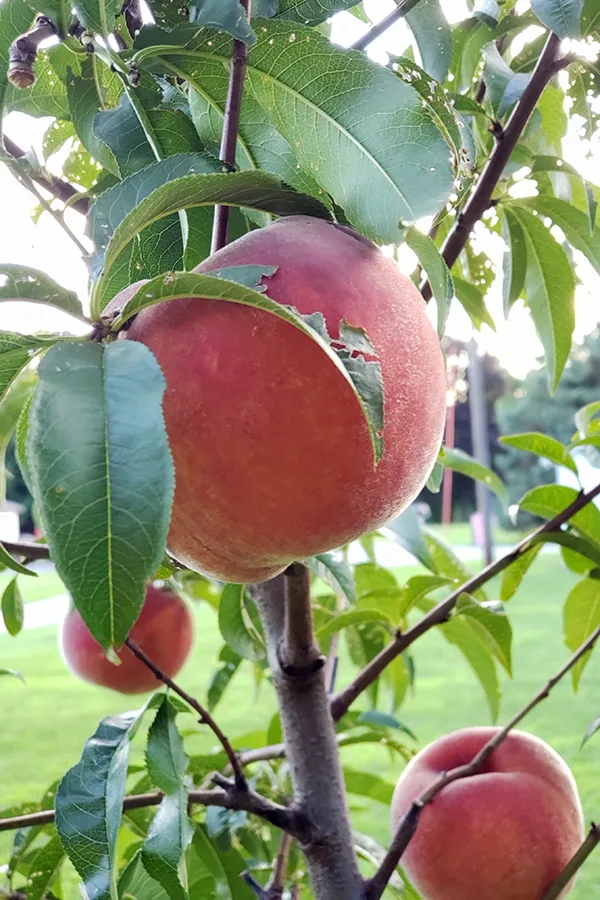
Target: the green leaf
pixel 551 107
pixel 541 445
pixel 514 262
pixel 548 501
pixel 493 627
pixel 166 759
pixel 368 785
pixel 472 468
pixel 407 532
pixel 446 562
pixel 224 15
pixel 15 18
pixel 89 802
pixel 371 126
pixel 585 550
pixel 169 836
pixel 44 867
pixel 573 222
pixel 433 37
pixel 226 866
pixel 16 350
pixel 437 273
pixel 515 573
pixel 334 571
pixel 97 15
pixel 591 730
pixel 13 673
pixel 363 376
pixel 464 635
pixel 353 617
pixel 12 607
pixel 550 292
pixel 136 884
pixel 561 16
pixel 503 86
pixel 418 587
pixel 98 455
pixel 311 12
pixel 7 562
pixel 586 416
pixel 590 17
pixel 258 190
pixel 84 105
pixel 23 283
pixel 11 406
pixel 473 302
pixel 221 677
pixel 581 617
pixel 235 625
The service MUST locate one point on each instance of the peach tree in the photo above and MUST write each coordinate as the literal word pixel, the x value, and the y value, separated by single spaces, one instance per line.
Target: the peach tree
pixel 253 386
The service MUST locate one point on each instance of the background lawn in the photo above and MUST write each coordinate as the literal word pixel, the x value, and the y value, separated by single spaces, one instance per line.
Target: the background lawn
pixel 46 723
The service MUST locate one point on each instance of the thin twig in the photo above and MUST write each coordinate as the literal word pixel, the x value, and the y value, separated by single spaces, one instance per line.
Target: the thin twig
pixel 275 887
pixel 439 614
pixel 408 824
pixel 23 51
pixel 377 30
pixel 27 549
pixel 481 197
pixel 205 716
pixel 231 123
pixel 299 653
pixel 59 189
pixel 228 798
pixel 574 864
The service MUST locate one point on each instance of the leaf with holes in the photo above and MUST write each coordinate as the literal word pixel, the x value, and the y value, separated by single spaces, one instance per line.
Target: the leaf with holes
pixel 357 145
pixel 23 283
pixel 89 801
pixel 581 616
pixel 98 455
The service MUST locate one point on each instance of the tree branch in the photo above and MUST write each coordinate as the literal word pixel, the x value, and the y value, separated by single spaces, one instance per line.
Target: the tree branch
pixel 342 701
pixel 573 866
pixel 23 51
pixel 481 196
pixel 228 797
pixel 408 824
pixel 299 653
pixel 312 753
pixel 27 549
pixel 377 30
pixel 60 189
pixel 231 122
pixel 205 716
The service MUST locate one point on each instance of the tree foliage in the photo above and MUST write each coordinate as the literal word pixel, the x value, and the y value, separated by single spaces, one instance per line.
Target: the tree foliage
pixel 446 132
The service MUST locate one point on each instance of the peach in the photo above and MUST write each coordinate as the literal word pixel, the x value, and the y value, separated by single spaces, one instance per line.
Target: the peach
pixel 164 631
pixel 504 834
pixel 273 458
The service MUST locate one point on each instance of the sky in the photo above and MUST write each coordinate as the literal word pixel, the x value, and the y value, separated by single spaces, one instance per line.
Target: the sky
pixel 47 247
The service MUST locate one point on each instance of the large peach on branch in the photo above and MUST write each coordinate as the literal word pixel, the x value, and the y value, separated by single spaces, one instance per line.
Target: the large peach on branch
pixel 273 457
pixel 503 834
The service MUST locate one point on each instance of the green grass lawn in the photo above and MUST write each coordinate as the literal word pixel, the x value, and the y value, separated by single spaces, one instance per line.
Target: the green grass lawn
pixel 46 722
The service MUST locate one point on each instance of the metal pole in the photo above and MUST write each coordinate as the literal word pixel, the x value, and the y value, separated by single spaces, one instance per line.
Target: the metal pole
pixel 480 438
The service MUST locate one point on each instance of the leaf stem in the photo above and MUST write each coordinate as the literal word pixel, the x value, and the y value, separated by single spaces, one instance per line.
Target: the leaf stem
pixel 377 30
pixel 205 716
pixel 231 123
pixel 481 196
pixel 408 824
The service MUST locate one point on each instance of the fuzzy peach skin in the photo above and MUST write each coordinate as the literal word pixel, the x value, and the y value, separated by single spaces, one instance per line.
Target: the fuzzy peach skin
pixel 273 458
pixel 504 834
pixel 164 631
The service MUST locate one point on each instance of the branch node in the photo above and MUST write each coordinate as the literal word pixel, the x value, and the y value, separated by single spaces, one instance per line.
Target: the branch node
pixel 23 51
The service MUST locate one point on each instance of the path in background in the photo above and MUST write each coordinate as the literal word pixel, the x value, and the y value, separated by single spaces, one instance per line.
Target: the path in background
pixel 39 613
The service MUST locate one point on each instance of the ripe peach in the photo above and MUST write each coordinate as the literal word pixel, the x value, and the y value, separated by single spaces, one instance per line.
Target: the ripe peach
pixel 164 631
pixel 272 455
pixel 504 834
